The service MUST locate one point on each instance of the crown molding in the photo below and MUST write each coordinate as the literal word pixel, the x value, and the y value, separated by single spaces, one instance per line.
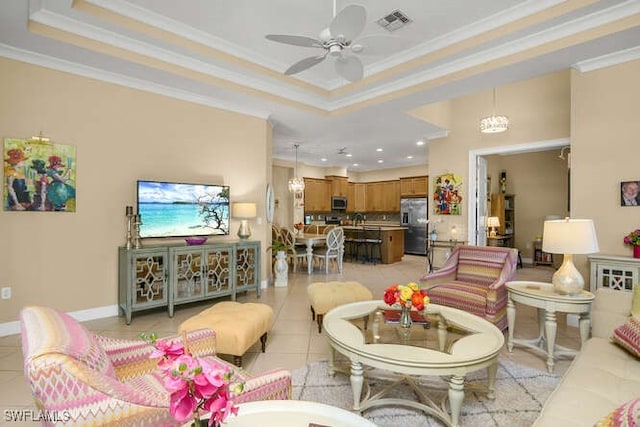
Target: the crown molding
pixel 92 32
pixel 608 60
pixel 507 49
pixel 39 59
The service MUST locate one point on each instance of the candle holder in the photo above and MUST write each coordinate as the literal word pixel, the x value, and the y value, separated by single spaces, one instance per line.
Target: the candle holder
pixel 137 221
pixel 129 213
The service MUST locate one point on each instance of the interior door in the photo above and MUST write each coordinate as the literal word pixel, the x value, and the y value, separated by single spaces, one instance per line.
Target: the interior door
pixel 482 198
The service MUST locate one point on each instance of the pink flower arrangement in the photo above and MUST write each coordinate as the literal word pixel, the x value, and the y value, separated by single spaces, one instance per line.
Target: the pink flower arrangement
pixel 406 295
pixel 633 238
pixel 194 383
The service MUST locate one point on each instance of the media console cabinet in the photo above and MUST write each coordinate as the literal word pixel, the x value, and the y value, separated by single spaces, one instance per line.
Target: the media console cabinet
pixel 173 274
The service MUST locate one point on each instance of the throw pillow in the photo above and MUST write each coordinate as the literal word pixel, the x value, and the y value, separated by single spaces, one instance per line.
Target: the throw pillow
pixel 635 304
pixel 627 335
pixel 625 415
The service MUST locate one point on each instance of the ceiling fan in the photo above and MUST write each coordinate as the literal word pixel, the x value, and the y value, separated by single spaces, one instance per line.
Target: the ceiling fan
pixel 337 40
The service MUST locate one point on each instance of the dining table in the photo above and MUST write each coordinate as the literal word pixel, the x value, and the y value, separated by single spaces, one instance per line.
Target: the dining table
pixel 310 239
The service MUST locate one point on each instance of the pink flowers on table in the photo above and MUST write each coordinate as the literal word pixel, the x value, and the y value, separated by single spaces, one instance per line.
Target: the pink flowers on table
pixel 195 384
pixel 406 295
pixel 633 238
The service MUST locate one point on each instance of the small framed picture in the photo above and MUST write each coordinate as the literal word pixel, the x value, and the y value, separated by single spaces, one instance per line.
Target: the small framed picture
pixel 630 193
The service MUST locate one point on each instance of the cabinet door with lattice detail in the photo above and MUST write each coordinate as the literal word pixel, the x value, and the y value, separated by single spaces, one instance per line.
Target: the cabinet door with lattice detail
pixel 218 270
pixel 248 266
pixel 143 280
pixel 187 274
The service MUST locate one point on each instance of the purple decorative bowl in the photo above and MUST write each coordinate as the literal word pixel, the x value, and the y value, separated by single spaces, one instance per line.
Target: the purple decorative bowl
pixel 191 241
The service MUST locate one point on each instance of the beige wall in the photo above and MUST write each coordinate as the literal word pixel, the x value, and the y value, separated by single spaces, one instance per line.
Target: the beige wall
pixel 538 110
pixel 539 182
pixel 605 137
pixel 69 260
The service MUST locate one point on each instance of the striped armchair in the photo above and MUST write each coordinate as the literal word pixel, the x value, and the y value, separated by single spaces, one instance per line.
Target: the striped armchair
pixel 91 380
pixel 473 279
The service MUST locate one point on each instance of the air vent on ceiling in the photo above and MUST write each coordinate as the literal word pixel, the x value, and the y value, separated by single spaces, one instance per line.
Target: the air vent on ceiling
pixel 394 20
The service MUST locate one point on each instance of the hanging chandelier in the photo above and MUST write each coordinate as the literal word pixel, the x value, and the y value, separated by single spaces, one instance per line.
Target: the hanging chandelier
pixel 493 123
pixel 296 185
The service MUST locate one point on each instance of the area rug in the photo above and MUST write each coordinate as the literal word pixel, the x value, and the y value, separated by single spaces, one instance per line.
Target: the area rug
pixel 520 393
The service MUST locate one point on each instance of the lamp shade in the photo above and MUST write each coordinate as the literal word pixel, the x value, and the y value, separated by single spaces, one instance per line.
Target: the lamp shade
pixel 569 236
pixel 493 221
pixel 244 210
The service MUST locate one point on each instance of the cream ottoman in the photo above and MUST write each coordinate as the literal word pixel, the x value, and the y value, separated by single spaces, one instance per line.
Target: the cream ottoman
pixel 237 325
pixel 323 296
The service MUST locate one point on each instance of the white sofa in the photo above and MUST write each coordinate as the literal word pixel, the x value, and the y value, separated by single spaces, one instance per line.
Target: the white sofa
pixel 602 376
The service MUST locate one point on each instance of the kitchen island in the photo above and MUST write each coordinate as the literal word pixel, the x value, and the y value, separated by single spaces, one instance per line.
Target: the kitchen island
pixel 392 240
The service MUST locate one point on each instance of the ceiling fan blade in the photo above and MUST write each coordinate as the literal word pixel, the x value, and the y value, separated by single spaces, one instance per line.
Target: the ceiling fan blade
pixel 304 64
pixel 378 44
pixel 350 68
pixel 303 41
pixel 349 22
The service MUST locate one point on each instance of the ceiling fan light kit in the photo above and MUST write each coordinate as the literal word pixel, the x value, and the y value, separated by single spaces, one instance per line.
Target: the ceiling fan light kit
pixel 337 41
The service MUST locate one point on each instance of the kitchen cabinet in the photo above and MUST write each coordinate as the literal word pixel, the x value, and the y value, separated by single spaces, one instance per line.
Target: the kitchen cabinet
pixel 383 196
pixel 339 185
pixel 359 197
pixel 317 195
pixel 416 186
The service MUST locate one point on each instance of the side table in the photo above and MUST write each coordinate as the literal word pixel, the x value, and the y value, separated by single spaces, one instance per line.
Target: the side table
pixel 543 297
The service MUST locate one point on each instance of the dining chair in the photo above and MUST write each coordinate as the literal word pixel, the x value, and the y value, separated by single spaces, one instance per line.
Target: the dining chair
pixel 334 249
pixel 294 253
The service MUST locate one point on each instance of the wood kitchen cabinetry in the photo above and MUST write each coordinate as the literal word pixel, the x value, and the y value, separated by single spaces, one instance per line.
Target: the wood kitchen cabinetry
pixel 339 185
pixel 383 196
pixel 317 195
pixel 359 197
pixel 415 186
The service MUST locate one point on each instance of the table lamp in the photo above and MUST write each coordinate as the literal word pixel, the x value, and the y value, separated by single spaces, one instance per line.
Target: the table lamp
pixel 493 222
pixel 244 212
pixel 568 237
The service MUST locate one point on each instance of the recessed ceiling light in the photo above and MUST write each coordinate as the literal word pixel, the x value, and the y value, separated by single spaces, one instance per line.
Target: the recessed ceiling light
pixel 380 161
pixel 355 164
pixel 349 155
pixel 409 157
pixel 420 142
pixel 379 149
pixel 324 159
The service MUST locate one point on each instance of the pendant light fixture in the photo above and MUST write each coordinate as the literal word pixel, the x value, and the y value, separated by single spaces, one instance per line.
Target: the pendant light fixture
pixel 296 185
pixel 493 123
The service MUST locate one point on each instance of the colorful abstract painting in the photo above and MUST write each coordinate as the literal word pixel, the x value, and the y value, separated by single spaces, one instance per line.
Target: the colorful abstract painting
pixel 447 195
pixel 39 176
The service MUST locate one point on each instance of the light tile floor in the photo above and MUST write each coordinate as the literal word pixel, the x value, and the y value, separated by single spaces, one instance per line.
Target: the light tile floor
pixel 294 339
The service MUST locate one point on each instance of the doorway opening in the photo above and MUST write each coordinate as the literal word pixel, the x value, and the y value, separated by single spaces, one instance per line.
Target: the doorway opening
pixel 476 217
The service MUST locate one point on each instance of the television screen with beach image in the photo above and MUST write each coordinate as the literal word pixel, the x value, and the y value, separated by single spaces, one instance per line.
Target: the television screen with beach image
pixel 169 209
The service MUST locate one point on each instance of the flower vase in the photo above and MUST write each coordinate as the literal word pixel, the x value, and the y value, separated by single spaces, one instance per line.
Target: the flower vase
pixel 636 251
pixel 405 317
pixel 201 423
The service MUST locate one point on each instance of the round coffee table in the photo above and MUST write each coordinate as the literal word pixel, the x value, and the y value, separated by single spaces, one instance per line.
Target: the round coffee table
pixel 455 343
pixel 276 413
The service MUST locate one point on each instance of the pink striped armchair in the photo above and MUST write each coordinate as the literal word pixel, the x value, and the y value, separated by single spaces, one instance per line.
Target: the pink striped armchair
pixel 473 279
pixel 87 379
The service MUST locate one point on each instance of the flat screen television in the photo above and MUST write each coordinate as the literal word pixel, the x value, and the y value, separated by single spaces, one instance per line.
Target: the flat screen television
pixel 171 209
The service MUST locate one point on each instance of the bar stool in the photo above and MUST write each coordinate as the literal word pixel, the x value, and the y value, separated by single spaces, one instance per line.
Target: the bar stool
pixel 373 243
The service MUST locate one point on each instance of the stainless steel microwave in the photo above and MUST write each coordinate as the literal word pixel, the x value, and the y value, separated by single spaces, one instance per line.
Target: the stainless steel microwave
pixel 338 203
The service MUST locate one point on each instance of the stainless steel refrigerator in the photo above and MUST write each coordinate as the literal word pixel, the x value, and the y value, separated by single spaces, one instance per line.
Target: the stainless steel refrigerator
pixel 414 216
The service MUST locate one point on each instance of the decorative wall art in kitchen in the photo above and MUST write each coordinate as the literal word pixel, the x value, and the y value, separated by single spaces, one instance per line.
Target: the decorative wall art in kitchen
pixel 39 175
pixel 447 195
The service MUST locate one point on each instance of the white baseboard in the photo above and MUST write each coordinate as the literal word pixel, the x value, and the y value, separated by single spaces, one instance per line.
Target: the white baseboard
pixel 12 328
